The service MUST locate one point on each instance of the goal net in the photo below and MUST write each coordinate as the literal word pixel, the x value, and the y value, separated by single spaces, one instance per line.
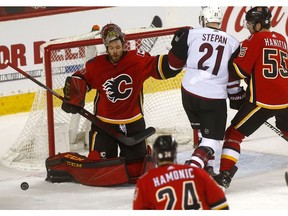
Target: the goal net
pixel 50 130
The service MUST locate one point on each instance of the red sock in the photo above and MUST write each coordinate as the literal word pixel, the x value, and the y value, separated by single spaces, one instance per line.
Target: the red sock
pixel 231 149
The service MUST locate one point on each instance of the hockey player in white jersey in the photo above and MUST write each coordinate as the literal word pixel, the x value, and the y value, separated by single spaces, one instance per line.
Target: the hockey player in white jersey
pixel 204 53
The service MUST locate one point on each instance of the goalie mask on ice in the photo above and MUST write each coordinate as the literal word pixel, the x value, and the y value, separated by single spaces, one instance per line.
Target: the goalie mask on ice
pixel 111 32
pixel 73 167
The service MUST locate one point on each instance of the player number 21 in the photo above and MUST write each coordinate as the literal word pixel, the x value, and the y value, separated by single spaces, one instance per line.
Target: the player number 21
pixel 209 52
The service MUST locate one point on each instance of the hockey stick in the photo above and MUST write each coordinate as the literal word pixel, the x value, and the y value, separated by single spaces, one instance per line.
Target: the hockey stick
pixel 130 141
pixel 148 43
pixel 278 132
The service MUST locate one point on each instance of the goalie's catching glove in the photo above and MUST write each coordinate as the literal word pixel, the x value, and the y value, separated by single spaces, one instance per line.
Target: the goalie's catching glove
pixel 236 100
pixel 74 94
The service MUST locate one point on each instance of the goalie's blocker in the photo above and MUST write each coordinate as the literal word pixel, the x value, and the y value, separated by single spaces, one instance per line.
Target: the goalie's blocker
pixel 73 167
pixel 74 94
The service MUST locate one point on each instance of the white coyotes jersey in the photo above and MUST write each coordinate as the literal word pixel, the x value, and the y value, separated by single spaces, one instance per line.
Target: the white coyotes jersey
pixel 207 63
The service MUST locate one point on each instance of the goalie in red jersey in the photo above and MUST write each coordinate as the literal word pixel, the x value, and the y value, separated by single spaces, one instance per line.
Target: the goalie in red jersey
pixel 262 61
pixel 118 77
pixel 173 186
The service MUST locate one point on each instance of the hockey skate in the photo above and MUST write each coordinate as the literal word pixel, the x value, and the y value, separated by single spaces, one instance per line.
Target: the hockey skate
pixel 224 178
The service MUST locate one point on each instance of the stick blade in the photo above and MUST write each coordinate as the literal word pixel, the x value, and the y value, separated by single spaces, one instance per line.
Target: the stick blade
pixel 156 22
pixel 130 141
pixel 286 177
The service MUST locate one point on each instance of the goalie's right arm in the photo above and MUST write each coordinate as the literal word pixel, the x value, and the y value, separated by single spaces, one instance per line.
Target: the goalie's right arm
pixel 74 94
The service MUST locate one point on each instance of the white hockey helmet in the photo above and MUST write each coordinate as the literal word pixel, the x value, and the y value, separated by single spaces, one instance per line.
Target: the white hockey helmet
pixel 210 14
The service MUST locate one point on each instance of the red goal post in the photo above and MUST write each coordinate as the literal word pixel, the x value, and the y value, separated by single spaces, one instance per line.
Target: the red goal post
pixel 50 130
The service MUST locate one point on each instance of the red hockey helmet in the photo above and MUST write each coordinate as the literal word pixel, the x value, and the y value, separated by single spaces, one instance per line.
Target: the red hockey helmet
pixel 111 32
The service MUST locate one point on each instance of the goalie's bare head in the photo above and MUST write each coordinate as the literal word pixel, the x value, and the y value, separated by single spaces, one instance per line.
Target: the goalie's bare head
pixel 111 32
pixel 165 149
pixel 210 15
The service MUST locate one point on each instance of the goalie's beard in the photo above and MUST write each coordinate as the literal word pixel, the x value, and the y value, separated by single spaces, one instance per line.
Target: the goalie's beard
pixel 115 58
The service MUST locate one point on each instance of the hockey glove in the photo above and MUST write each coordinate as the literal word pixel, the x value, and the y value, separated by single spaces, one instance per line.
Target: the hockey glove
pixel 179 43
pixel 74 94
pixel 236 100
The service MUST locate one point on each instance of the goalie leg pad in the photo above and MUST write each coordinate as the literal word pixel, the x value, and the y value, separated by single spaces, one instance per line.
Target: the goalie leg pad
pixel 73 167
pixel 138 167
pixel 66 167
pixel 148 164
pixel 57 175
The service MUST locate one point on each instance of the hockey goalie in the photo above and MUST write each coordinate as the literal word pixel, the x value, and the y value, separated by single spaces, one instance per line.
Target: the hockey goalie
pixel 103 166
pixel 118 76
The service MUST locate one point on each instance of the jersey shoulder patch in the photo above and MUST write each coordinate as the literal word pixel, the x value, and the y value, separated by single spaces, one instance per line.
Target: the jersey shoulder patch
pixel 242 51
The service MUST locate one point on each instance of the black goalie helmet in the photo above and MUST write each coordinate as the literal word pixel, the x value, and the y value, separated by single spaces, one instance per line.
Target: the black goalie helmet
pixel 165 148
pixel 260 15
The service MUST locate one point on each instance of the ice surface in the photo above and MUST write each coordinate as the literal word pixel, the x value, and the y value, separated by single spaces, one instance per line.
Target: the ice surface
pixel 258 185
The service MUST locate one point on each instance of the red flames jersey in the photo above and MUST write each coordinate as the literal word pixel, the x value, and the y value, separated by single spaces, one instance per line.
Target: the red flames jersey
pixel 119 86
pixel 178 187
pixel 263 59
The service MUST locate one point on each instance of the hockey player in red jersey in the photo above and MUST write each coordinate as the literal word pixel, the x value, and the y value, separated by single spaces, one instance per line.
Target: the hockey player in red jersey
pixel 204 53
pixel 118 77
pixel 262 61
pixel 173 186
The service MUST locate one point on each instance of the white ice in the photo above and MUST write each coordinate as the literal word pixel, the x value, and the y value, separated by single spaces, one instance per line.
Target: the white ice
pixel 258 185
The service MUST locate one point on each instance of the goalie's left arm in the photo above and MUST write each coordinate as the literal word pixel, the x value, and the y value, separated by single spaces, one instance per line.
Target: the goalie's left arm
pixel 173 63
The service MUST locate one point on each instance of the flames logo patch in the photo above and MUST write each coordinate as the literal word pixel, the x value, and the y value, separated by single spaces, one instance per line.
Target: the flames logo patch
pixel 118 88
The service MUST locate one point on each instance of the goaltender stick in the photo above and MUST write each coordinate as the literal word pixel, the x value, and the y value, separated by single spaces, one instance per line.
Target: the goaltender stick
pixel 118 77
